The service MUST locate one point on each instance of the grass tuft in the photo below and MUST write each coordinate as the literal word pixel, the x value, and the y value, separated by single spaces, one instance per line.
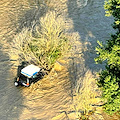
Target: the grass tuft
pixel 44 44
pixel 85 98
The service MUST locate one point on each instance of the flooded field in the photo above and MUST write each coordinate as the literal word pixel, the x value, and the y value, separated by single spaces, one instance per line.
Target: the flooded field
pixel 53 97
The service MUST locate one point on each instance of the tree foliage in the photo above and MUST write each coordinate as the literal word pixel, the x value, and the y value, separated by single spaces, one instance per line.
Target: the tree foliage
pixel 109 80
pixel 113 8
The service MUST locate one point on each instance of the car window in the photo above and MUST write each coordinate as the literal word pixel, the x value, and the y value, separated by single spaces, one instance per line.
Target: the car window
pixel 23 77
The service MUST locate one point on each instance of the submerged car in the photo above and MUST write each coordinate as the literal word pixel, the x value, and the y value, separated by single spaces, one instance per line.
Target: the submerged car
pixel 29 74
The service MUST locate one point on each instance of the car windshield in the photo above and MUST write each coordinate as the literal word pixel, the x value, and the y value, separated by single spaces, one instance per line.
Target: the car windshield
pixel 22 77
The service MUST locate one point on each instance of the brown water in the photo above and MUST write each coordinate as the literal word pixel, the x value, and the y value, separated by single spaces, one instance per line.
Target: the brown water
pixel 10 97
pixel 54 97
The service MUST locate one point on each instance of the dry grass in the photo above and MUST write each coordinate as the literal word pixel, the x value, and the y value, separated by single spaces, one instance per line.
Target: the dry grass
pixel 85 98
pixel 44 44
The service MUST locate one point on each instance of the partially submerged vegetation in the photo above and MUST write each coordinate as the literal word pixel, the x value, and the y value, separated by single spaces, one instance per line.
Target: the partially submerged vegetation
pixel 87 100
pixel 43 44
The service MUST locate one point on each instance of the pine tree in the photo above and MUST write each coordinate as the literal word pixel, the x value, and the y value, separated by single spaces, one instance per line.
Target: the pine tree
pixel 109 80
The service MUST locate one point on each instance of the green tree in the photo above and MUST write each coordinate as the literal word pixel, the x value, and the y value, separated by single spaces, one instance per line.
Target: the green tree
pixel 109 80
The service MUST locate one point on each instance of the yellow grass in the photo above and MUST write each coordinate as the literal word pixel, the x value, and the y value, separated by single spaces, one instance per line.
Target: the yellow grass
pixel 86 97
pixel 48 43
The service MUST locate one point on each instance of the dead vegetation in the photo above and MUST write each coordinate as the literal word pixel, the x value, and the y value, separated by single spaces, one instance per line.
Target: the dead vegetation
pixel 43 44
pixel 87 98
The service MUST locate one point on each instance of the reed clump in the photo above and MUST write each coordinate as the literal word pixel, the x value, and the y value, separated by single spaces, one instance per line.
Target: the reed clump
pixel 44 43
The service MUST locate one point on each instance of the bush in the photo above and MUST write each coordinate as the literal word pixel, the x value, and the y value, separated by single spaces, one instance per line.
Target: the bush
pixel 44 44
pixel 109 80
pixel 85 99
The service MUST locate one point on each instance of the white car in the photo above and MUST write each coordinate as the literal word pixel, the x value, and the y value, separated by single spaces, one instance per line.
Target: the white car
pixel 28 75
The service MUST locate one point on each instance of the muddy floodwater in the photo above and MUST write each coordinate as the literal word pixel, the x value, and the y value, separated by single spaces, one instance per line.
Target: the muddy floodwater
pixel 89 23
pixel 10 97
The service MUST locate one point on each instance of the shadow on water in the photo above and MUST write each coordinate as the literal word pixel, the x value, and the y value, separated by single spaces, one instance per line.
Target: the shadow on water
pixel 10 96
pixel 89 21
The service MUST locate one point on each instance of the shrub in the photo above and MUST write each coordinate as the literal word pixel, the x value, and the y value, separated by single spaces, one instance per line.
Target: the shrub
pixel 44 44
pixel 85 98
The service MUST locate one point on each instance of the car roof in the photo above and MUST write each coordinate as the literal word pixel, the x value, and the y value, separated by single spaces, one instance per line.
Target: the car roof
pixel 30 70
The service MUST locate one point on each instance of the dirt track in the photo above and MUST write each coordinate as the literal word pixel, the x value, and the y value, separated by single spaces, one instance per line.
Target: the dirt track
pixel 53 98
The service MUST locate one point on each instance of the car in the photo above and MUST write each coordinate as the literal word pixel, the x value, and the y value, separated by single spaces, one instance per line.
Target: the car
pixel 29 74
